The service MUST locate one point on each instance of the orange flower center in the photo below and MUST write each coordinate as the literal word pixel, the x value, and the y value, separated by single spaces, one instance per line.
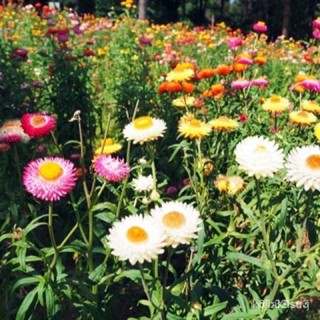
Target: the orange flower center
pixel 50 170
pixel 137 235
pixel 174 220
pixel 38 120
pixel 313 162
pixel 195 123
pixel 275 99
pixel 142 122
pixel 303 114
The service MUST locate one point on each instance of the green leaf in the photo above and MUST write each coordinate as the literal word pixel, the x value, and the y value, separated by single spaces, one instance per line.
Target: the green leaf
pixel 263 264
pixel 24 282
pixel 25 305
pixel 97 274
pixel 211 310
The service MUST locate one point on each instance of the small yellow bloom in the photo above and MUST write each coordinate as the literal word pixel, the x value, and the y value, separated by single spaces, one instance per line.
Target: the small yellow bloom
pixel 302 118
pixel 190 127
pixel 183 102
pixel 317 131
pixel 276 104
pixel 224 124
pixel 310 106
pixel 108 147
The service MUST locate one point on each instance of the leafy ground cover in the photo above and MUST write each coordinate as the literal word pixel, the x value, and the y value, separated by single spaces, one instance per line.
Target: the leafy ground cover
pixel 156 171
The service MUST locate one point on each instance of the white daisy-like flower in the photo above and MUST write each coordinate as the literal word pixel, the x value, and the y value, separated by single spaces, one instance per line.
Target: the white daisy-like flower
pixel 144 129
pixel 143 183
pixel 137 239
pixel 258 156
pixel 180 221
pixel 303 167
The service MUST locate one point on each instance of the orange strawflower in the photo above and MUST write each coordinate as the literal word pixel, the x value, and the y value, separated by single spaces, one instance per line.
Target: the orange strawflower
pixel 260 60
pixel 239 67
pixel 206 73
pixel 169 87
pixel 223 70
pixel 187 87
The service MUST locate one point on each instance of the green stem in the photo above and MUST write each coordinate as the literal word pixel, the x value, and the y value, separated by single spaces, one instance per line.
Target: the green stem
pixel 264 231
pixel 17 161
pixel 52 238
pixel 84 182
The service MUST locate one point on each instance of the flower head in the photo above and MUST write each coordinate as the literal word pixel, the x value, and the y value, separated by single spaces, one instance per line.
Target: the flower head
pixel 303 167
pixel 49 178
pixel 258 156
pixel 111 169
pixel 108 147
pixel 276 104
pixel 224 124
pixel 11 132
pixel 137 239
pixel 144 129
pixel 180 221
pixel 182 72
pixel 183 102
pixel 240 84
pixel 302 118
pixel 310 106
pixel 229 184
pixel 260 26
pixel 37 124
pixel 190 127
pixel 143 183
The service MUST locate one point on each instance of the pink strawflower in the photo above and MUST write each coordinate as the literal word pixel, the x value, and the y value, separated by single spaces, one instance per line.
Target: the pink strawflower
pixel 49 178
pixel 316 34
pixel 260 26
pixel 244 60
pixel 11 132
pixel 234 43
pixel 316 23
pixel 311 84
pixel 111 169
pixel 240 84
pixel 37 124
pixel 260 82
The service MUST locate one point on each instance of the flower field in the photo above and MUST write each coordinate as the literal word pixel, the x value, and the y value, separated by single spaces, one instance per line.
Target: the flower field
pixel 156 171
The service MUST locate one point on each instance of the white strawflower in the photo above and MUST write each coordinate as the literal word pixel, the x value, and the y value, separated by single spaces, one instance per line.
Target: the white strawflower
pixel 137 239
pixel 143 183
pixel 144 129
pixel 258 156
pixel 303 167
pixel 180 221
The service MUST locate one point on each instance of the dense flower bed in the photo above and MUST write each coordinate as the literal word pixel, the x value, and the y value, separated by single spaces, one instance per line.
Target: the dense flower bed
pixel 156 171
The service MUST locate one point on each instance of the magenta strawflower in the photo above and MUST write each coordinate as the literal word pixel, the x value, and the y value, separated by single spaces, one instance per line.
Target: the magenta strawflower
pixel 240 84
pixel 11 132
pixel 260 26
pixel 49 178
pixel 311 84
pixel 37 124
pixel 260 82
pixel 110 168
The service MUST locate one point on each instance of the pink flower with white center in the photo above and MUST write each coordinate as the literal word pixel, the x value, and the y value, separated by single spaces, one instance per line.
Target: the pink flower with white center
pixel 110 168
pixel 49 178
pixel 311 84
pixel 11 132
pixel 240 84
pixel 260 82
pixel 37 124
pixel 260 26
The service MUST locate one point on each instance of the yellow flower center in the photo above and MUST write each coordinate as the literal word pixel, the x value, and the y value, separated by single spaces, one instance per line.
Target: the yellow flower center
pixel 275 99
pixel 195 123
pixel 174 220
pixel 313 162
pixel 107 142
pixel 38 121
pixel 143 122
pixel 137 235
pixel 261 23
pixel 303 114
pixel 261 148
pixel 50 170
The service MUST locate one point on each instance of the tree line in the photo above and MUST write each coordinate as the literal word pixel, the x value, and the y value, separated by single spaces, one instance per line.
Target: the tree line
pixel 291 18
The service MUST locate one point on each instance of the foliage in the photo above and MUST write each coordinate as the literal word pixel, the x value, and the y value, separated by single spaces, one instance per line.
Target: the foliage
pixel 256 252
